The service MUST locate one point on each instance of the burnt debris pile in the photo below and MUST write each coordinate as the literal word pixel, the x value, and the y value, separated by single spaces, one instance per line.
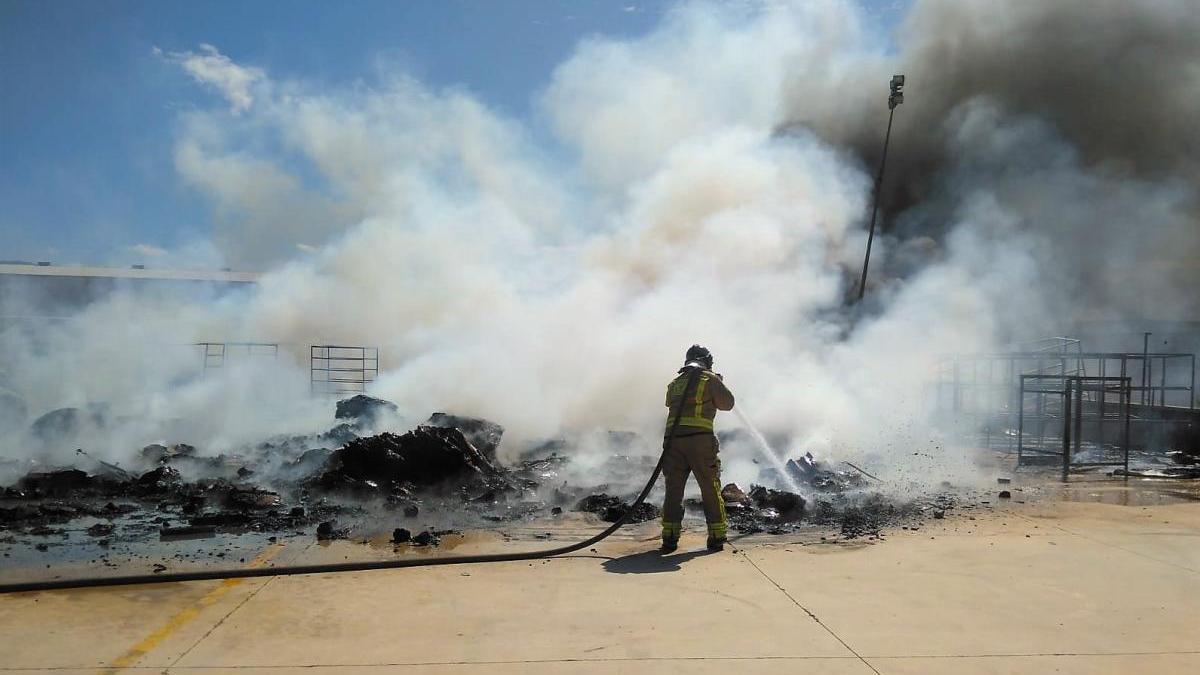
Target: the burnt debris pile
pixel 849 513
pixel 351 482
pixel 425 456
pixel 838 500
pixel 760 510
pixel 286 483
pixel 865 517
pixel 481 434
pixel 61 495
pixel 364 411
pixel 808 471
pixel 611 508
pixel 429 464
pixel 1185 450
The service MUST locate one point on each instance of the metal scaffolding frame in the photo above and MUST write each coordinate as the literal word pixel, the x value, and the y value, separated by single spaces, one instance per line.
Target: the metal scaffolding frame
pixel 982 392
pixel 340 370
pixel 214 354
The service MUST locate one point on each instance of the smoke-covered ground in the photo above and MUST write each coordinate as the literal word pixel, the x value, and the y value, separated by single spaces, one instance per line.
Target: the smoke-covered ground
pixel 707 182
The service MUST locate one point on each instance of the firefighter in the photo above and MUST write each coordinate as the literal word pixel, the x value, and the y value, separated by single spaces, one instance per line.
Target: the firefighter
pixel 693 448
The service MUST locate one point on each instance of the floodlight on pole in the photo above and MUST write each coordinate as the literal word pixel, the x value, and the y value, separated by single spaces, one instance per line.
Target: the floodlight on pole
pixel 894 99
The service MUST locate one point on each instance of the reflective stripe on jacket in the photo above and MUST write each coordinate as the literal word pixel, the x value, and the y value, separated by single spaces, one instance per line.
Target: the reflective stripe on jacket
pixel 702 404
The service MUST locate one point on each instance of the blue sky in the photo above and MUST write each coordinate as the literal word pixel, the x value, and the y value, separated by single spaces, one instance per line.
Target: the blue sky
pixel 89 113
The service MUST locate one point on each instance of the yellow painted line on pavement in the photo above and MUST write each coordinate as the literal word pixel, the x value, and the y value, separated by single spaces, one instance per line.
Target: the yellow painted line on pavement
pixel 185 616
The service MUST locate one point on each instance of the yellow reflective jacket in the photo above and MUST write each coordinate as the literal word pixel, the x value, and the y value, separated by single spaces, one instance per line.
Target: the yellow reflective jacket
pixel 702 404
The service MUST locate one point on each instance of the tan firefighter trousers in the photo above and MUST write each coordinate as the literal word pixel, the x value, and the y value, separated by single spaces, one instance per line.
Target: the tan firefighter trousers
pixel 693 453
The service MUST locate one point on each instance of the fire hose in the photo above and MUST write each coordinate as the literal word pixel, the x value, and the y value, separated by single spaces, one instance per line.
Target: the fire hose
pixel 96 582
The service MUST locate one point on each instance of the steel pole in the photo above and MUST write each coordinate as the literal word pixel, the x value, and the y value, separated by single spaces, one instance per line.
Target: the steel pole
pixel 1068 414
pixel 1145 367
pixel 862 284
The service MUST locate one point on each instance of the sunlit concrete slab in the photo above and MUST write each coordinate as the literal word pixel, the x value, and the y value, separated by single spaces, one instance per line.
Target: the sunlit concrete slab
pixel 1021 588
pixel 701 666
pixel 1000 593
pixel 1167 533
pixel 97 628
pixel 1061 664
pixel 147 625
pixel 56 671
pixel 635 605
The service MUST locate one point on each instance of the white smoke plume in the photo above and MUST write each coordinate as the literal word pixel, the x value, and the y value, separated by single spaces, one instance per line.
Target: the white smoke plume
pixel 715 190
pixel 212 68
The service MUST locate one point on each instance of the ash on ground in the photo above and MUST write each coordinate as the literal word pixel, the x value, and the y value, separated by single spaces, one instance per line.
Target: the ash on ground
pixel 351 483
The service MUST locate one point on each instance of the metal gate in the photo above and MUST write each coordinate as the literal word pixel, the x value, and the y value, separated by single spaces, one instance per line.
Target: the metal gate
pixel 1077 421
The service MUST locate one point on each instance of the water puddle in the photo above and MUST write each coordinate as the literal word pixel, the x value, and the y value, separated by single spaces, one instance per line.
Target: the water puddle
pixel 1134 493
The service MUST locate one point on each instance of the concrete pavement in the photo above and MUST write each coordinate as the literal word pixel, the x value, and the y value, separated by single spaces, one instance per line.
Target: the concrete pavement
pixel 1051 586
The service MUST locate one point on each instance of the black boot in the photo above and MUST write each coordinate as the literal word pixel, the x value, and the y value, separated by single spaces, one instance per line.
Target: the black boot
pixel 669 544
pixel 716 544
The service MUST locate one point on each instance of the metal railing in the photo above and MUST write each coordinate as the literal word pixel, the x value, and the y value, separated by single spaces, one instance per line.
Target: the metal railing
pixel 342 370
pixel 215 354
pixel 980 394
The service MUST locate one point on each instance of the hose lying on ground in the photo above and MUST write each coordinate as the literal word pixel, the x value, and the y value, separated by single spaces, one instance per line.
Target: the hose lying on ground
pixel 94 582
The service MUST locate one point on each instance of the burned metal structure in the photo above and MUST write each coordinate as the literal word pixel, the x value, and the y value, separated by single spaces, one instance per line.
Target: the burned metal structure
pixel 1052 402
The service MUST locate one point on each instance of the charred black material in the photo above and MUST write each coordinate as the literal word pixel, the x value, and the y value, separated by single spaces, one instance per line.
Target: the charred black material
pixel 312 460
pixel 732 494
pixel 484 434
pixel 542 469
pixel 231 519
pixel 424 456
pixel 187 531
pixel 328 530
pixel 809 471
pixel 156 453
pixel 762 510
pixel 159 480
pixel 35 516
pixel 252 498
pixel 611 508
pixel 56 483
pixel 788 505
pixel 1185 443
pixel 365 410
pixel 869 515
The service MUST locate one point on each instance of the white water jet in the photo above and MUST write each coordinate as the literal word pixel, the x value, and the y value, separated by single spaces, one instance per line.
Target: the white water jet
pixel 779 464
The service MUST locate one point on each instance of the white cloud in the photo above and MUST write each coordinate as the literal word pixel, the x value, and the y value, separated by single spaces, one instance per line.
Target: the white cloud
pixel 212 68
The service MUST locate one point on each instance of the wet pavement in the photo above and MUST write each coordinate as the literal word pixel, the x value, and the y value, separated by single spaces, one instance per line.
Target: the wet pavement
pixel 860 574
pixel 1030 585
